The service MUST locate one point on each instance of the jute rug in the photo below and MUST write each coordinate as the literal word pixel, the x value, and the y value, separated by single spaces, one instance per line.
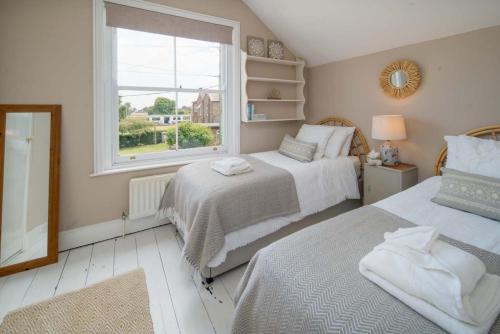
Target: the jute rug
pixel 117 305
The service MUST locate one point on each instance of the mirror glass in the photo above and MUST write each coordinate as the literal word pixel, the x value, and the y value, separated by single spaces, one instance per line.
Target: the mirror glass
pixel 24 224
pixel 399 78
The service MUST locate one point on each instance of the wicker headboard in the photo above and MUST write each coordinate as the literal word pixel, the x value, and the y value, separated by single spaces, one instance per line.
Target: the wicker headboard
pixel 359 146
pixel 491 132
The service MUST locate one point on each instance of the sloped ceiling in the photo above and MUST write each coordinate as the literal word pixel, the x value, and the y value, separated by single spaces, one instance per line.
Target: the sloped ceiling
pixel 322 31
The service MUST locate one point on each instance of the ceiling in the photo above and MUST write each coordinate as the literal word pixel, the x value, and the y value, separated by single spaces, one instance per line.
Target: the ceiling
pixel 322 31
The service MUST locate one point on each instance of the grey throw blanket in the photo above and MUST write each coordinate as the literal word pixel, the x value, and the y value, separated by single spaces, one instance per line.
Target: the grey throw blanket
pixel 211 205
pixel 309 282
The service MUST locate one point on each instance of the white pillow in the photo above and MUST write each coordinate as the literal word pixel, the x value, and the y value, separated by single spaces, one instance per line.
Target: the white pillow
pixel 318 134
pixel 473 155
pixel 340 142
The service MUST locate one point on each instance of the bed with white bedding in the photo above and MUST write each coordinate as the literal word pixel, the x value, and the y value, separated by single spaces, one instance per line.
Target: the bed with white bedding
pixel 324 187
pixel 320 184
pixel 312 281
pixel 415 205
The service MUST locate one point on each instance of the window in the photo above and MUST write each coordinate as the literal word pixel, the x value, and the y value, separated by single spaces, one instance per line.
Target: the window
pixel 161 97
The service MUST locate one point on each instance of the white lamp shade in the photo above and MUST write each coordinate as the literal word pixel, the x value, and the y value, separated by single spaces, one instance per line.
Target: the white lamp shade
pixel 388 127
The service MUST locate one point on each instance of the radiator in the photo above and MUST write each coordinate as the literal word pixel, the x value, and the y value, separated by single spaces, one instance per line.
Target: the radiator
pixel 145 194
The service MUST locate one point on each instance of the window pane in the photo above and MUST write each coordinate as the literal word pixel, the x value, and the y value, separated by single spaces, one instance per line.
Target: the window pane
pixel 144 59
pixel 198 64
pixel 147 122
pixel 203 126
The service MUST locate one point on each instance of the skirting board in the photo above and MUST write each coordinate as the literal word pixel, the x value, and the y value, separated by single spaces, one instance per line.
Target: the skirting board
pixel 86 235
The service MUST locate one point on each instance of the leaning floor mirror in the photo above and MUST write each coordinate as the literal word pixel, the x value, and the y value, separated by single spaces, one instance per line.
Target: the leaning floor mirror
pixel 29 179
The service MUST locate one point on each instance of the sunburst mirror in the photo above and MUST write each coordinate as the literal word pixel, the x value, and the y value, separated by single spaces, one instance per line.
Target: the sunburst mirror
pixel 400 78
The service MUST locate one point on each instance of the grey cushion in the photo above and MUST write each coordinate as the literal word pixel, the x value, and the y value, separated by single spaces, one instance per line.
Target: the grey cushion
pixel 297 149
pixel 470 192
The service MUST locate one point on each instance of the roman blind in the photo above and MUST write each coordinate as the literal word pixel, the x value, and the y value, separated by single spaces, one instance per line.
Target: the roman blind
pixel 121 16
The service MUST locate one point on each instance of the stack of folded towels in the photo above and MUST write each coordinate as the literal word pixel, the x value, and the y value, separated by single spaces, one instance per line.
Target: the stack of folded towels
pixel 231 166
pixel 441 282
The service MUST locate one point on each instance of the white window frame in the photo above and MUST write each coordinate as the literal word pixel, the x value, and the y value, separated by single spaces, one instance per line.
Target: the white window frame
pixel 105 99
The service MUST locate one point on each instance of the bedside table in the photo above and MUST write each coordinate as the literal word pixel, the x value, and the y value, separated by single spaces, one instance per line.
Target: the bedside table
pixel 383 181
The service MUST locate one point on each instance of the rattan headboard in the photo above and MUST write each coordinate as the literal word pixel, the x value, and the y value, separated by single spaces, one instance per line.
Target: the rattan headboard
pixel 491 132
pixel 359 146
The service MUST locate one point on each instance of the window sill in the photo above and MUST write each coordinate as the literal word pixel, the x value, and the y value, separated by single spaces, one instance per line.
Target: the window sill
pixel 138 168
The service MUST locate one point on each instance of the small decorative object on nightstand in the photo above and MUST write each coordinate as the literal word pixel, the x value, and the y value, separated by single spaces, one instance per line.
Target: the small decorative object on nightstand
pixel 373 158
pixel 387 128
pixel 383 181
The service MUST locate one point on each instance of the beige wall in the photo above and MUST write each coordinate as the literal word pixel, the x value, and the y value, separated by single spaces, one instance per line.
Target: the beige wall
pixel 460 90
pixel 46 57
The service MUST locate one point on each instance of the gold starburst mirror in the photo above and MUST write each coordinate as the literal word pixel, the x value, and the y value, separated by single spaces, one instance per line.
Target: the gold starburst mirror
pixel 400 79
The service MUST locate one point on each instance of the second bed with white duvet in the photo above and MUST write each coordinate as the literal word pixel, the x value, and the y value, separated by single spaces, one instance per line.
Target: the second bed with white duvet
pixel 320 184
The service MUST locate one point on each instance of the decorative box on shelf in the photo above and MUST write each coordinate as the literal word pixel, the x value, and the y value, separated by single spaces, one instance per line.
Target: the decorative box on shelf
pixel 259 117
pixel 286 88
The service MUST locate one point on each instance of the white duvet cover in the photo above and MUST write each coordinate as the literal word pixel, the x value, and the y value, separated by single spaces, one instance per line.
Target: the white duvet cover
pixel 415 205
pixel 320 184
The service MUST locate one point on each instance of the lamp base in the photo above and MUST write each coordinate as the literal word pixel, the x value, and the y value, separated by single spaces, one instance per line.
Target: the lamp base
pixel 389 154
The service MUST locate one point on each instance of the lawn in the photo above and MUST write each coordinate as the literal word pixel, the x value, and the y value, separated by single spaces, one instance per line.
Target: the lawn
pixel 144 149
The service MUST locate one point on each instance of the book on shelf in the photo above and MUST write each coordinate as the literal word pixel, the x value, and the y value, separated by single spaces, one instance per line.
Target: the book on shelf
pixel 250 111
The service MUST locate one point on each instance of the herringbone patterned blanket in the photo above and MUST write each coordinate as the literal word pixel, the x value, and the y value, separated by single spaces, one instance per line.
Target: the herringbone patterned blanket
pixel 211 205
pixel 309 282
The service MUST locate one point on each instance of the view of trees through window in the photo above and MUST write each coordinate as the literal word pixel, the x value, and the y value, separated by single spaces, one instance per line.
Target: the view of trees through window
pixel 169 93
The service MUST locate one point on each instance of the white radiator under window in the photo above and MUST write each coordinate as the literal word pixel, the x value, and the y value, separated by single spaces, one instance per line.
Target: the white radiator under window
pixel 145 194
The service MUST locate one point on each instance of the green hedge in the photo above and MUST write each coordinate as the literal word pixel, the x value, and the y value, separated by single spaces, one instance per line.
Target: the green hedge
pixel 190 135
pixel 137 132
pixel 133 140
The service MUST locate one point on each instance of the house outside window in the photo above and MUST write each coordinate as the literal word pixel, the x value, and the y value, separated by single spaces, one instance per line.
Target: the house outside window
pixel 162 97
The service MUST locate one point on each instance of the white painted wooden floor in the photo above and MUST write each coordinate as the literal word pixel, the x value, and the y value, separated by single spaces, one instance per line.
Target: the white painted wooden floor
pixel 179 303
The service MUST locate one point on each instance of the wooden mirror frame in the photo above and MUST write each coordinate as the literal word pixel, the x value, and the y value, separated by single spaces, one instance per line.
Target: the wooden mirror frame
pixel 53 196
pixel 413 72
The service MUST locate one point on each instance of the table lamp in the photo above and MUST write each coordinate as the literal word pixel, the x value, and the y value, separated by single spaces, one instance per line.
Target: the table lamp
pixel 387 128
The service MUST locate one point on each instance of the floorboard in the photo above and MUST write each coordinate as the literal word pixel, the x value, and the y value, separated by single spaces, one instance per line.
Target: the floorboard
pixel 101 263
pixel 162 310
pixel 231 279
pixel 125 255
pixel 218 304
pixel 191 314
pixel 75 271
pixel 13 291
pixel 45 283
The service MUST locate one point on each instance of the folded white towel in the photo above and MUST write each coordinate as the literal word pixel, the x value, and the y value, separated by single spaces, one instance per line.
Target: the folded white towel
pixel 232 171
pixel 445 277
pixel 231 166
pixel 231 162
pixel 432 313
pixel 419 238
pixel 420 246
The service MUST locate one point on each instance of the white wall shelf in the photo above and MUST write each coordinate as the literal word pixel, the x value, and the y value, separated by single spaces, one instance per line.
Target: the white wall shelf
pixel 274 100
pixel 276 80
pixel 273 120
pixel 275 61
pixel 291 106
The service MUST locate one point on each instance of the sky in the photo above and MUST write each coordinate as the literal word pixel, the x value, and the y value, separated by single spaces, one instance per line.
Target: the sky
pixel 147 60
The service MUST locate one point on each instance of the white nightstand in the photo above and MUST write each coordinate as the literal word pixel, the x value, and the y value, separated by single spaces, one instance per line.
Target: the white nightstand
pixel 383 181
